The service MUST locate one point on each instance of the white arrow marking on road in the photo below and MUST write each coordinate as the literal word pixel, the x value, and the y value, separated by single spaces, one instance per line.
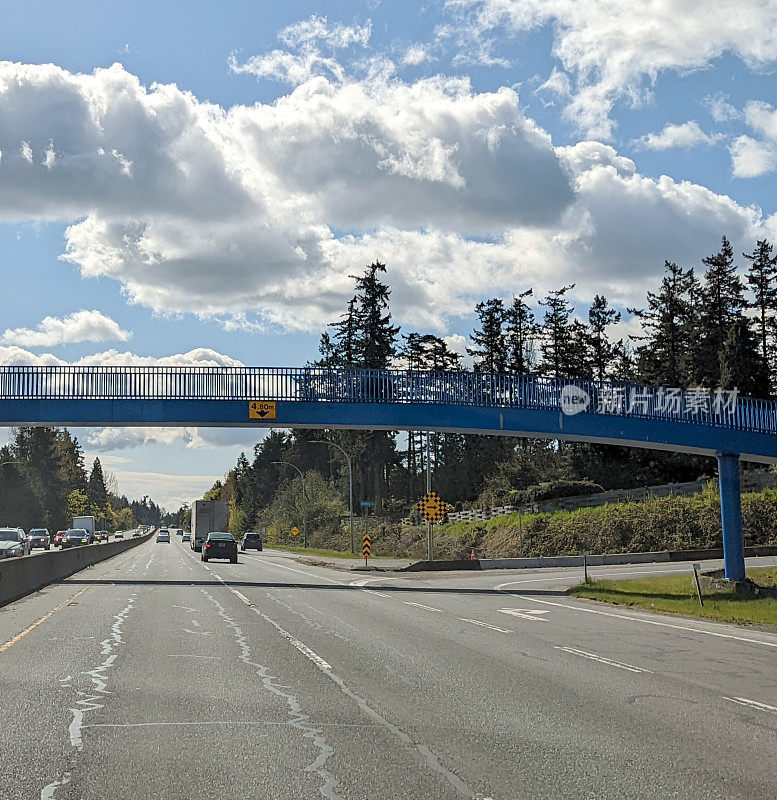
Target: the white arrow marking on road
pixel 526 613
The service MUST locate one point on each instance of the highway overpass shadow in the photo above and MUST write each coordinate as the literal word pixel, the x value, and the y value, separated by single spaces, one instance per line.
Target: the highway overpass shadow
pixel 430 590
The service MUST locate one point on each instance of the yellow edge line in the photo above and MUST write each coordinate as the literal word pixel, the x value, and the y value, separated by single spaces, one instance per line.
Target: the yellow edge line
pixel 11 642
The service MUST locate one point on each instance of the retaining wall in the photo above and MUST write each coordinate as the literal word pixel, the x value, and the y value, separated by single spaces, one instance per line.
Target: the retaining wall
pixel 22 576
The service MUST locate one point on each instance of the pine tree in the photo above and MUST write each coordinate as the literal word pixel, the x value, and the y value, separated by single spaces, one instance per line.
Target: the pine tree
pixel 521 331
pixel 556 346
pixel 669 323
pixel 489 351
pixel 603 351
pixel 374 345
pixel 741 365
pixel 722 304
pixel 95 490
pixel 762 280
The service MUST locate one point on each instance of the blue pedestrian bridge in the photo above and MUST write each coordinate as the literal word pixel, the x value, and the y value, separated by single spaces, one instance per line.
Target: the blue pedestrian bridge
pixel 699 421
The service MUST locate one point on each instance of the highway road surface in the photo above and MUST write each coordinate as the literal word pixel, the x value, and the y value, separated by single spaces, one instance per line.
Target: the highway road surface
pixel 153 675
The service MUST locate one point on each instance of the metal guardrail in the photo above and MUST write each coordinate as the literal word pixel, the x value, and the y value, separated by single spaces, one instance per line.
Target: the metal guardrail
pixel 317 384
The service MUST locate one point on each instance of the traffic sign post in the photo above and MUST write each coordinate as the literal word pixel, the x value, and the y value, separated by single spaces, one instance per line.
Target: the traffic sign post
pixel 433 509
pixel 295 531
pixel 366 547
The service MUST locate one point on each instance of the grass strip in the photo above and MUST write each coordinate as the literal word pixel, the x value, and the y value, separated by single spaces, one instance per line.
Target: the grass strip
pixel 676 594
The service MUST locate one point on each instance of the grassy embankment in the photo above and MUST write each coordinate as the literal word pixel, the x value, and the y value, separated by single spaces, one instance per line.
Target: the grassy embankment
pixel 656 523
pixel 676 594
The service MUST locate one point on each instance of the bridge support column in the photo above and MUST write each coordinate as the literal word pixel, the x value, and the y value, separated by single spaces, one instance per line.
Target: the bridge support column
pixel 731 516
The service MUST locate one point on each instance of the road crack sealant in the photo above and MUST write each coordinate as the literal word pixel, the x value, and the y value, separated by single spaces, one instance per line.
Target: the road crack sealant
pixel 423 750
pixel 91 700
pixel 297 718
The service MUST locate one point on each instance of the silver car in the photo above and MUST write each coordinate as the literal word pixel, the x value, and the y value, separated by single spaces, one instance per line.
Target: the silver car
pixel 13 543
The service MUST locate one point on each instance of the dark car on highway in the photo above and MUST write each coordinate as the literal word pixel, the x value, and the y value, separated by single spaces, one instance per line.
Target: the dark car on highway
pixel 219 545
pixel 39 537
pixel 251 541
pixel 75 537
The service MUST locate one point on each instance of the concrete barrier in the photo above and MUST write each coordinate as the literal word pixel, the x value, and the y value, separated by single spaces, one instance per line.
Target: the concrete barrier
pixel 22 576
pixel 594 560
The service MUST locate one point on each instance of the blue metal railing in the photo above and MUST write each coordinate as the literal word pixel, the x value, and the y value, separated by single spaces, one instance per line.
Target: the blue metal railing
pixel 316 384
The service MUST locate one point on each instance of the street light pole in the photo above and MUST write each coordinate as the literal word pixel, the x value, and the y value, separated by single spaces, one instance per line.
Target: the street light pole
pixel 350 484
pixel 304 501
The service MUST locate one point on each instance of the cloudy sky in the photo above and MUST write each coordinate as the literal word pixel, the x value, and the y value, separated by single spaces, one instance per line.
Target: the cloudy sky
pixel 193 182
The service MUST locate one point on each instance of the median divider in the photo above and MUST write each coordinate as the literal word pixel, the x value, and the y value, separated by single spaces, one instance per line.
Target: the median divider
pixel 22 576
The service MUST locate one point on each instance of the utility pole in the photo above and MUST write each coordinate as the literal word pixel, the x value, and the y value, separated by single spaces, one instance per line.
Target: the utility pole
pixel 429 543
pixel 304 501
pixel 350 484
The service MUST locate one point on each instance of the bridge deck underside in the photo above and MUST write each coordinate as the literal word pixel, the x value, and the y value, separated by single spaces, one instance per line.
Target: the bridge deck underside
pixel 686 437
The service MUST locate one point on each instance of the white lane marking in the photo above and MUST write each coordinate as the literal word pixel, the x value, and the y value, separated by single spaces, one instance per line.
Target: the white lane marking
pixel 191 655
pixel 421 605
pixel 526 613
pixel 185 608
pixel 743 701
pixel 602 575
pixel 219 722
pixel 195 623
pixel 242 597
pixel 646 621
pixel 430 758
pixel 602 660
pixel 484 625
pixel 301 572
pixel 380 594
pixel 298 719
pixel 199 633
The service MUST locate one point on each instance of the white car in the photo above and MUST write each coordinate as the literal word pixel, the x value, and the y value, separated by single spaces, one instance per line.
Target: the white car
pixel 163 536
pixel 187 537
pixel 118 535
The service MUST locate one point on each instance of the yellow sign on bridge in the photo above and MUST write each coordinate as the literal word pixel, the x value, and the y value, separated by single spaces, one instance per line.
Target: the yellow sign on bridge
pixel 261 409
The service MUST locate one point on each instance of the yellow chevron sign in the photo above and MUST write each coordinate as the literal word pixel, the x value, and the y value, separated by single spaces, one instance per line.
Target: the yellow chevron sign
pixel 366 545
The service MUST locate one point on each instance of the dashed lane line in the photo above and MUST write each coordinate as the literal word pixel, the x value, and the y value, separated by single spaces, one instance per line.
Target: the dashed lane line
pixel 602 660
pixel 743 701
pixel 646 621
pixel 421 605
pixel 484 625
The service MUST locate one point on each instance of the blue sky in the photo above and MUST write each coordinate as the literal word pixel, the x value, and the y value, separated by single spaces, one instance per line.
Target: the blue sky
pixel 195 181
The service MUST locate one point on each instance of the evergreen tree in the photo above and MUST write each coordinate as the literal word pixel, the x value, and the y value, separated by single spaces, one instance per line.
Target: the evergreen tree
pixel 374 344
pixel 722 304
pixel 95 490
pixel 669 323
pixel 521 331
pixel 556 346
pixel 489 351
pixel 603 351
pixel 762 280
pixel 741 363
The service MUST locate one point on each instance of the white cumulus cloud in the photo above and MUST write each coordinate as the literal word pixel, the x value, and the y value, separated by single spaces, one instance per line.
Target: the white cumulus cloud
pixel 261 213
pixel 684 136
pixel 751 158
pixel 616 49
pixel 80 326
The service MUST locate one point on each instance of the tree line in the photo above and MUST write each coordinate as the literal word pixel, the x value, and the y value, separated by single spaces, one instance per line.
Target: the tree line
pixel 713 326
pixel 44 484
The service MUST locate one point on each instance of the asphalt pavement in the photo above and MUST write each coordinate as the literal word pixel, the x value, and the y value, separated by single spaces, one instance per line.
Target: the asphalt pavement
pixel 153 675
